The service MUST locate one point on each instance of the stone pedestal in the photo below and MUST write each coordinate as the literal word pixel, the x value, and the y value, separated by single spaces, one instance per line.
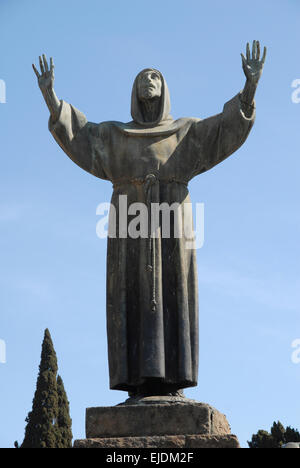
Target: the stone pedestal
pixel 157 422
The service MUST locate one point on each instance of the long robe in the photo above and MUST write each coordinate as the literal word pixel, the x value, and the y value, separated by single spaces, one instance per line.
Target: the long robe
pixel 152 288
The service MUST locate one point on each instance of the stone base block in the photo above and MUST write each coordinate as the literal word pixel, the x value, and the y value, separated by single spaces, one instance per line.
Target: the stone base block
pixel 157 422
pixel 161 442
pixel 155 418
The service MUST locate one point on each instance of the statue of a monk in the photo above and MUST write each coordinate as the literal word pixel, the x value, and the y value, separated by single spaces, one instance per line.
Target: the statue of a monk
pixel 152 287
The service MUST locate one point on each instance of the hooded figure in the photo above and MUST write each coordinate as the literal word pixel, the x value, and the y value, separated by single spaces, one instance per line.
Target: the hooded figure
pixel 152 287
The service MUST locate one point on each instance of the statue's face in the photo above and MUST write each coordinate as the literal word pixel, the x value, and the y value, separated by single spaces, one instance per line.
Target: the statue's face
pixel 149 85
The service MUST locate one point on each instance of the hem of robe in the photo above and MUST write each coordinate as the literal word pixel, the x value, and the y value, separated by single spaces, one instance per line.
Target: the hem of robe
pixel 133 388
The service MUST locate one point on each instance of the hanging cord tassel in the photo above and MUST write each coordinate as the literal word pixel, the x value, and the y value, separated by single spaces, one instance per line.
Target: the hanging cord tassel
pixel 150 181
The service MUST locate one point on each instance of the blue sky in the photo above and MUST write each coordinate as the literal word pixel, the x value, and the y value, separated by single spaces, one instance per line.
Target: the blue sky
pixel 52 268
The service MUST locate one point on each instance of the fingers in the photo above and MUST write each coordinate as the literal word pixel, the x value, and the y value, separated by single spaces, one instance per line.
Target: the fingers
pixel 254 50
pixel 258 53
pixel 41 65
pixel 35 71
pixel 248 51
pixel 244 59
pixel 45 63
pixel 258 50
pixel 264 55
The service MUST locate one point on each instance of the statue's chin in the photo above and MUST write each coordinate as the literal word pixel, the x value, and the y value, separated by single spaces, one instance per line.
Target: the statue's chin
pixel 149 95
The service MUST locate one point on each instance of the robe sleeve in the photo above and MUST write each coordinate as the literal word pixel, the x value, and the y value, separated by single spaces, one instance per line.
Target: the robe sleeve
pixel 80 140
pixel 216 138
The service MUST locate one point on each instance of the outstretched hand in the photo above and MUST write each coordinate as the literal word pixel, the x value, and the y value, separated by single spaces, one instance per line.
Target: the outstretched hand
pixel 253 66
pixel 46 78
pixel 46 84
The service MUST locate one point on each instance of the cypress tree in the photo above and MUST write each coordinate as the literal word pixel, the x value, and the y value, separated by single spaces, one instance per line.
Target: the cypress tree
pixel 42 428
pixel 64 421
pixel 278 434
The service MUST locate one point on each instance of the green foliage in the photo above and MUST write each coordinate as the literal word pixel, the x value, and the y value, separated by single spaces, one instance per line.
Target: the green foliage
pixel 278 432
pixel 64 421
pixel 49 406
pixel 276 438
pixel 291 435
pixel 261 440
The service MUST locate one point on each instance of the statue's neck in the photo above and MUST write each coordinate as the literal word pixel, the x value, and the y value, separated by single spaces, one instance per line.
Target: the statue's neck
pixel 150 109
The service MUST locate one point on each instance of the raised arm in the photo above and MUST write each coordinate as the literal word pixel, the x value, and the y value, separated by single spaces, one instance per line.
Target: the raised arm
pixel 80 140
pixel 253 68
pixel 216 138
pixel 46 85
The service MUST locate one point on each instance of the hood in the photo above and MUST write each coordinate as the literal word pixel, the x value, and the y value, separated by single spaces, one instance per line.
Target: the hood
pixel 165 105
pixel 164 126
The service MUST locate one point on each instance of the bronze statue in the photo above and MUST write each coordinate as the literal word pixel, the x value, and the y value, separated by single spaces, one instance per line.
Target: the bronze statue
pixel 152 287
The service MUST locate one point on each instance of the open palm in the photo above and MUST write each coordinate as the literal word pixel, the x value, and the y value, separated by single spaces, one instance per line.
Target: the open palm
pixel 46 77
pixel 253 66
